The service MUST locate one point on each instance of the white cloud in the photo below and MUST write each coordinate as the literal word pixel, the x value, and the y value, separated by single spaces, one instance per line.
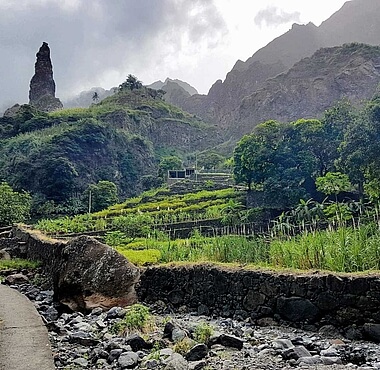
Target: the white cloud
pixel 274 16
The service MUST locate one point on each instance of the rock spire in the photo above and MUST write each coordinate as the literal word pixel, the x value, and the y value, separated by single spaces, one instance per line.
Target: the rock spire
pixel 42 85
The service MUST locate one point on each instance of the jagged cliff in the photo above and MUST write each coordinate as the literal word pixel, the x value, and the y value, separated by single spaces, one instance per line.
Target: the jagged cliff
pixel 312 85
pixel 42 85
pixel 184 85
pixel 356 21
pixel 176 91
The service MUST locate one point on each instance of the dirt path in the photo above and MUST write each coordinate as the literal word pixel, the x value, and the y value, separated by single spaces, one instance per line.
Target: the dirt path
pixel 24 343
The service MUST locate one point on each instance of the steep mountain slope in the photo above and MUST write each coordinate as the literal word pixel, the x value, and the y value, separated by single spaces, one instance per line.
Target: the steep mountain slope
pixel 311 86
pixel 184 85
pixel 177 91
pixel 57 155
pixel 356 21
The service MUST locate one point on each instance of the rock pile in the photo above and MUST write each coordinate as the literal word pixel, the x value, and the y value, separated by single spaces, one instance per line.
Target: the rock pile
pixel 42 85
pixel 89 341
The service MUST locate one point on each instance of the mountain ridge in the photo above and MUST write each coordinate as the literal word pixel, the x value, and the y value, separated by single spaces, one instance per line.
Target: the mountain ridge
pixel 301 41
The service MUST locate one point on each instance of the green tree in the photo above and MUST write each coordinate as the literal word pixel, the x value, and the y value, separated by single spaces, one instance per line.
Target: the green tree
pixel 333 183
pixel 210 160
pixel 359 150
pixel 101 195
pixel 14 206
pixel 131 83
pixel 269 160
pixel 171 162
pixel 133 226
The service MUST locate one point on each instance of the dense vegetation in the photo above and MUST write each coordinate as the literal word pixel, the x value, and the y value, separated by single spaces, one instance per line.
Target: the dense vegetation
pixel 283 160
pixel 330 235
pixel 14 206
pixel 322 174
pixel 60 157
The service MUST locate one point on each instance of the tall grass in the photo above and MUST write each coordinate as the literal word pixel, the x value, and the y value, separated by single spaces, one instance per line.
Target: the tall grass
pixel 224 249
pixel 347 249
pixel 346 245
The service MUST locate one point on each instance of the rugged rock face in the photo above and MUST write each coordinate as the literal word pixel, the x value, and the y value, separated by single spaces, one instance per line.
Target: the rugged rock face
pixel 182 84
pixel 226 96
pixel 42 85
pixel 177 91
pixel 92 275
pixel 356 21
pixel 311 86
pixel 306 90
pixel 84 272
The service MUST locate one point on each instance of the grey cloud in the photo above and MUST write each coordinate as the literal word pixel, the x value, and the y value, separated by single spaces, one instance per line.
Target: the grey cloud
pixel 273 16
pixel 94 38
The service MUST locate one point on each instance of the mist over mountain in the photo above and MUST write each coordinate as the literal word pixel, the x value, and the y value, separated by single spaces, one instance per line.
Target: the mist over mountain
pixel 176 92
pixel 356 21
pixel 127 132
pixel 164 85
pixel 86 98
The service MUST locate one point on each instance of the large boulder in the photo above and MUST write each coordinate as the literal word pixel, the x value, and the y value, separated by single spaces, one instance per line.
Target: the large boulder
pixel 92 274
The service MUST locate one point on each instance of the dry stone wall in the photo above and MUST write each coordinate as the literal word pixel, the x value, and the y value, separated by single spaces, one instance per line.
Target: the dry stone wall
pixel 344 301
pixel 86 273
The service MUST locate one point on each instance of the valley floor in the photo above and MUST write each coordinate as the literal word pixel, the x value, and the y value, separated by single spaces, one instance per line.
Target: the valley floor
pixel 88 342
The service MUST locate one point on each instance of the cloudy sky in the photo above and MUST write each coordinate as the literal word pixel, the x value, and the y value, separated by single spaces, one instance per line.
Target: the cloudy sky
pixel 99 42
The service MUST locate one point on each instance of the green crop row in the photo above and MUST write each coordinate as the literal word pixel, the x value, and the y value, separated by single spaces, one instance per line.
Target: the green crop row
pixel 171 209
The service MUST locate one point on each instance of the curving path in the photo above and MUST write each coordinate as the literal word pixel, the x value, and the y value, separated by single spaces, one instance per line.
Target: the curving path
pixel 24 342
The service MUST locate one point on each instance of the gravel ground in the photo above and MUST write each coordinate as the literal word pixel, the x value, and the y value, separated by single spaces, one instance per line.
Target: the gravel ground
pixel 88 342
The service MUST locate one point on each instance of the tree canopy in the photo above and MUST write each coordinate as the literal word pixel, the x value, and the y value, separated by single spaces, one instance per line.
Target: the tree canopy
pixel 131 83
pixel 14 206
pixel 285 159
pixel 101 195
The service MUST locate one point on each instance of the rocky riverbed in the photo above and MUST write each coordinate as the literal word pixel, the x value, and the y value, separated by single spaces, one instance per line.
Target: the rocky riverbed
pixel 89 341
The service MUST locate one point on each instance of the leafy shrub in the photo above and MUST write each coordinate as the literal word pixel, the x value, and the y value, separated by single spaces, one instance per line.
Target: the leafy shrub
pixel 203 332
pixel 133 225
pixel 183 346
pixel 136 318
pixel 14 206
pixel 115 238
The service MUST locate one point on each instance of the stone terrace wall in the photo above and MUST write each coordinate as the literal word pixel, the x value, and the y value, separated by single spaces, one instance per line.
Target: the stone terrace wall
pixel 340 300
pixel 33 245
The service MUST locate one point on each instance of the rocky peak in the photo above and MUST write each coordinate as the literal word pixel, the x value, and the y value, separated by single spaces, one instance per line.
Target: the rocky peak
pixel 42 85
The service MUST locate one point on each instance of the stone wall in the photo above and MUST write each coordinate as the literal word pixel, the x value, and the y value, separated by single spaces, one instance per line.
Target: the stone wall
pixel 33 245
pixel 86 273
pixel 320 299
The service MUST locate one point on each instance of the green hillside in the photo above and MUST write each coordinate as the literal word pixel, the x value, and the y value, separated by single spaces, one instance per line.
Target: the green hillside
pixel 56 156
